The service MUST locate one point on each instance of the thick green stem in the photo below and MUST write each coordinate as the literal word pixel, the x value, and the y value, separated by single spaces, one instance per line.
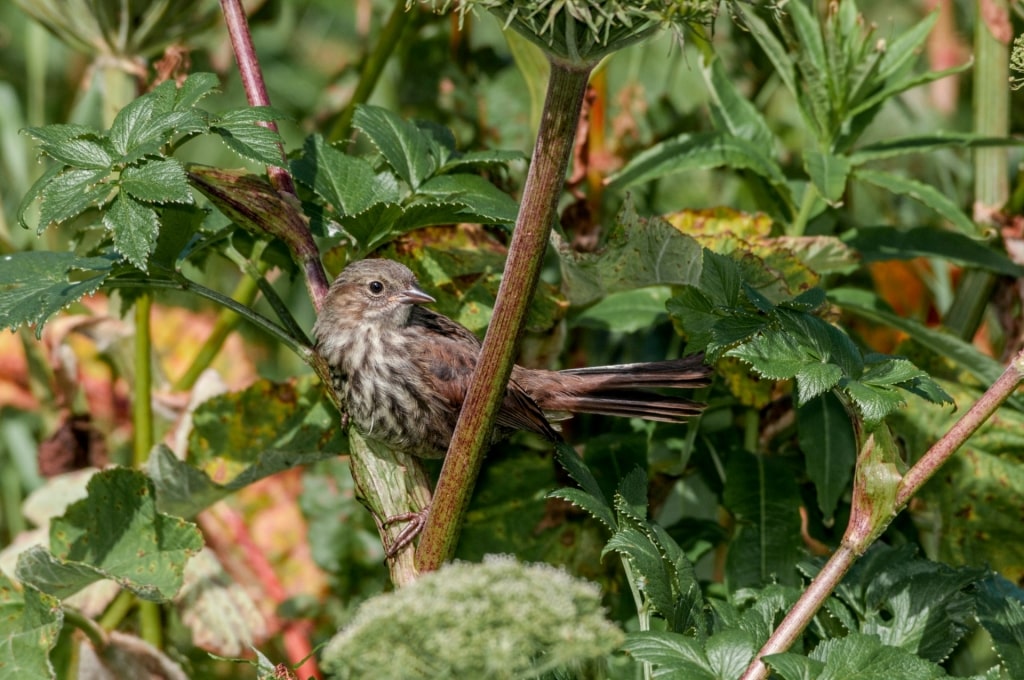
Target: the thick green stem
pixel 142 404
pixel 389 38
pixel 390 484
pixel 991 181
pixel 537 214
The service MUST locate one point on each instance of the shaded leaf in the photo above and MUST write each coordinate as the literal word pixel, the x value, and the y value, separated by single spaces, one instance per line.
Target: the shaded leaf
pixel 921 192
pixel 637 253
pixel 877 244
pixel 241 437
pixel 34 285
pixel 829 446
pixel 116 533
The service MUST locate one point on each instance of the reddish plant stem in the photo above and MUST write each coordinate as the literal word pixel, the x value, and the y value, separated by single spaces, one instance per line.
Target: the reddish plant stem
pixel 537 214
pixel 280 179
pixel 832 573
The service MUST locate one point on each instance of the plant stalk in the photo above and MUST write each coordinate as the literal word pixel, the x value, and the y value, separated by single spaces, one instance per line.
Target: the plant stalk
pixel 373 65
pixel 832 573
pixel 537 214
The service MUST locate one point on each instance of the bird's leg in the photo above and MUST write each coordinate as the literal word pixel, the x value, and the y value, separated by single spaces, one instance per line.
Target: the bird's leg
pixel 417 520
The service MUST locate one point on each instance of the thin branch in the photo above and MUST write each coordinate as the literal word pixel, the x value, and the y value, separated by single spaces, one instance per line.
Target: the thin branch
pixel 832 573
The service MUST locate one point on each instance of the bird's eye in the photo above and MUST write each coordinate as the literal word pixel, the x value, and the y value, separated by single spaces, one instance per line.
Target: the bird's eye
pixel 375 287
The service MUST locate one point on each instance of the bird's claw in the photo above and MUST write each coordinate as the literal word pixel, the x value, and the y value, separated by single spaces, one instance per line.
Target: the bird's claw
pixel 416 522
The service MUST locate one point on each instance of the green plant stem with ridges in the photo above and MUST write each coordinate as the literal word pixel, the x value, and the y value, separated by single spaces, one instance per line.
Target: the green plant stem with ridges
pixel 991 182
pixel 537 214
pixel 389 38
pixel 827 580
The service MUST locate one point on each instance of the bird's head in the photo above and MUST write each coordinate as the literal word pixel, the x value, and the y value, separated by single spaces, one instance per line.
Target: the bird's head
pixel 381 292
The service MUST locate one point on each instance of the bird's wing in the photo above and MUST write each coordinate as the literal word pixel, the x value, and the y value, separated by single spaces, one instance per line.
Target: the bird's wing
pixel 450 359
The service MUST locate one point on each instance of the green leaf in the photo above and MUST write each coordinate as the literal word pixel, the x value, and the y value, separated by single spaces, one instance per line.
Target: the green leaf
pixel 135 227
pixel 1001 613
pixel 348 183
pixel 71 193
pixel 241 131
pixel 943 139
pixel 700 151
pixel 876 244
pixel 480 200
pixel 82 153
pixel 674 655
pixel 829 446
pixel 867 305
pixel 762 495
pixel 242 437
pixel 735 112
pixel 638 253
pixel 114 533
pixel 906 46
pixel 730 652
pixel 977 495
pixel 626 311
pixel 580 473
pixel 34 285
pixel 859 656
pixel 30 624
pixel 410 153
pixel 157 181
pixel 483 157
pixel 828 172
pixel 921 192
pixel 196 87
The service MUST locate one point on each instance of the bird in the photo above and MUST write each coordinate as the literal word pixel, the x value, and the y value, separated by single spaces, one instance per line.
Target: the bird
pixel 402 371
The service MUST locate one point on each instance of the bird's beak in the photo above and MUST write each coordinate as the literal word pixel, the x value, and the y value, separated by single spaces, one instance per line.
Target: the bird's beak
pixel 414 296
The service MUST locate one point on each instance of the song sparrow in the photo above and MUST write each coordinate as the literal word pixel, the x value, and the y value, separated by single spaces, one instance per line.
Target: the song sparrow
pixel 402 371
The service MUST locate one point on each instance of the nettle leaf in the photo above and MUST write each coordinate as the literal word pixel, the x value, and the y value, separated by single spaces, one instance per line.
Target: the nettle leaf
pixel 637 253
pixel 598 505
pixel 867 658
pixel 829 445
pixel 135 227
pixel 411 153
pixel 483 157
pixel 1001 612
pixel 348 183
pixel 30 624
pixel 70 193
pixel 374 225
pixel 241 437
pixel 34 285
pixel 114 533
pixel 673 655
pixel 241 131
pixel 481 200
pixel 157 181
pixel 196 87
pixel 149 122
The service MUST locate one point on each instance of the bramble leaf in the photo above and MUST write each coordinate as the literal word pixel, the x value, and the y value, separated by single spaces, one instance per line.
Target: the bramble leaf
pixel 34 285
